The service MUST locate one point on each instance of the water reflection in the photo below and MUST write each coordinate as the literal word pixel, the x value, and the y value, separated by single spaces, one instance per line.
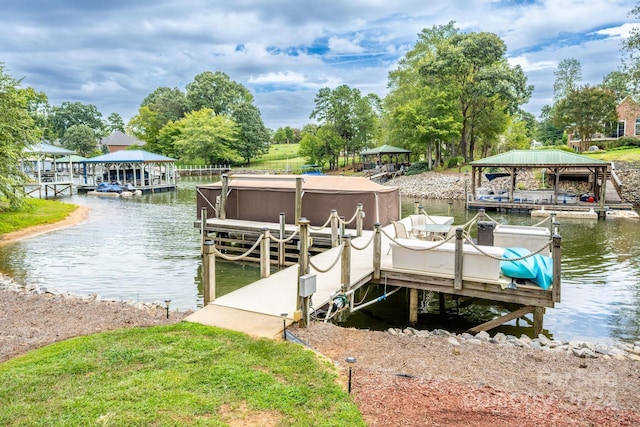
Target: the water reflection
pixel 147 249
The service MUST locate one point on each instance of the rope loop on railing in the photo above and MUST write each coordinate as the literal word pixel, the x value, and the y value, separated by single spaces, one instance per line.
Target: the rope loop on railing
pixel 355 215
pixel 468 239
pixel 288 239
pixel 491 219
pixel 543 221
pixel 365 246
pixel 440 243
pixel 237 257
pixel 332 264
pixel 323 225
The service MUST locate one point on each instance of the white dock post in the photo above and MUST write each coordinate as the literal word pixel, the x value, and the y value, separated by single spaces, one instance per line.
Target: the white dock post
pixel 556 254
pixel 203 225
pixel 209 273
pixel 345 270
pixel 298 207
pixel 265 254
pixel 303 266
pixel 281 244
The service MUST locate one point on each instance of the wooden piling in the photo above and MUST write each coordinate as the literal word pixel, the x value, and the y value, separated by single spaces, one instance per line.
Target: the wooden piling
pixel 457 278
pixel 413 306
pixel 203 228
pixel 556 254
pixel 265 254
pixel 377 250
pixel 538 321
pixel 303 260
pixel 209 272
pixel 298 207
pixel 359 219
pixel 345 270
pixel 281 244
pixel 334 228
pixel 223 196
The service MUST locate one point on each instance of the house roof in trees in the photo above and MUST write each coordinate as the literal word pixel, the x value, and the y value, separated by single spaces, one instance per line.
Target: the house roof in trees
pixel 130 156
pixel 538 159
pixel 384 149
pixel 121 139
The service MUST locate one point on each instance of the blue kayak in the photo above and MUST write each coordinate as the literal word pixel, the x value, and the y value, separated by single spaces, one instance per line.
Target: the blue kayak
pixel 522 269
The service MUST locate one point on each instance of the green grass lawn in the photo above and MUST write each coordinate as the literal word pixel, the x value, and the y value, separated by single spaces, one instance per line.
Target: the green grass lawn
pixel 626 155
pixel 183 374
pixel 34 212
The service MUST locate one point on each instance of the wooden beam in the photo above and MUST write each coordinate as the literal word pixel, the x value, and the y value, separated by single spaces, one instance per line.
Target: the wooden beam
pixel 504 319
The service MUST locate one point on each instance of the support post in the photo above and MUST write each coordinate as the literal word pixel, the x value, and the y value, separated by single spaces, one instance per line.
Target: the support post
pixel 298 207
pixel 441 303
pixel 281 245
pixel 265 254
pixel 209 273
pixel 413 306
pixel 334 228
pixel 359 219
pixel 416 207
pixel 303 262
pixel 457 278
pixel 203 231
pixel 481 214
pixel 223 197
pixel 342 228
pixel 377 249
pixel 538 320
pixel 556 254
pixel 345 270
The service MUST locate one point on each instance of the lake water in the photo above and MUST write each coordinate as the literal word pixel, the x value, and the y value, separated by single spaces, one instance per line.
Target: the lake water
pixel 147 249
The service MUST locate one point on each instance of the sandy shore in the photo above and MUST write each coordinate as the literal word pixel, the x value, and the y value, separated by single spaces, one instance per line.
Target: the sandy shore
pixel 80 214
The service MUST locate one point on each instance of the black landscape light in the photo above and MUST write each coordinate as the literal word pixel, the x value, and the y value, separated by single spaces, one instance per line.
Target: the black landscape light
pixel 284 325
pixel 166 303
pixel 350 361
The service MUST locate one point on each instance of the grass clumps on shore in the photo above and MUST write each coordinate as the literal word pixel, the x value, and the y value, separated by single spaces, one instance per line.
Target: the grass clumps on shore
pixel 182 374
pixel 34 212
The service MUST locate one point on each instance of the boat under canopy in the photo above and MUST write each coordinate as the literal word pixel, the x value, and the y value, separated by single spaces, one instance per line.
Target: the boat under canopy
pixel 263 197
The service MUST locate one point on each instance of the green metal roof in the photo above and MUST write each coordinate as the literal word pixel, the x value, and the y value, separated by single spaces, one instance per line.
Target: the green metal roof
pixel 538 158
pixel 384 149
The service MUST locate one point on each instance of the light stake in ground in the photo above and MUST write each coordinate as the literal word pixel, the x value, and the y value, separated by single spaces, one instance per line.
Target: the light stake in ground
pixel 350 360
pixel 284 325
pixel 166 303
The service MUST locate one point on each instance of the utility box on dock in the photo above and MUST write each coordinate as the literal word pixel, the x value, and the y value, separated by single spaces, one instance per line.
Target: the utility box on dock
pixel 307 285
pixel 485 233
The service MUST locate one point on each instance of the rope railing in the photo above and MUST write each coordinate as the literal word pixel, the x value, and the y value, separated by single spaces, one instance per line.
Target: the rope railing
pixel 333 264
pixel 491 219
pixel 288 239
pixel 543 221
pixel 468 239
pixel 440 243
pixel 238 257
pixel 355 215
pixel 323 225
pixel 365 246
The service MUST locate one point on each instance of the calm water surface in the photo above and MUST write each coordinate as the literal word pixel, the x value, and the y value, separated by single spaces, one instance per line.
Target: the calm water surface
pixel 146 249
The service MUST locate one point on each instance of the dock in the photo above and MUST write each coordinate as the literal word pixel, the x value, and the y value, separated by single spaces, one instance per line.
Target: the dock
pixel 377 257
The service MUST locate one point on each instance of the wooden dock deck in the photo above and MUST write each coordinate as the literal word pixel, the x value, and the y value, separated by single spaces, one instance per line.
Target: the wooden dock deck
pixel 257 308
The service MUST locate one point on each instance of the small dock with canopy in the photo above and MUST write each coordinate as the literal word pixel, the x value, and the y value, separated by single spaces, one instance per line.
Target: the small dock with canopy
pixel 48 169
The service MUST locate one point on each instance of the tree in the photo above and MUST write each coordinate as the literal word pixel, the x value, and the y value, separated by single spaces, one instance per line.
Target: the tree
pixel 586 111
pixel 321 145
pixel 202 135
pixel 474 67
pixel 618 83
pixel 568 76
pixel 253 138
pixel 631 49
pixel 168 104
pixel 547 131
pixel 81 139
pixel 217 92
pixel 16 133
pixel 115 123
pixel 146 127
pixel 76 113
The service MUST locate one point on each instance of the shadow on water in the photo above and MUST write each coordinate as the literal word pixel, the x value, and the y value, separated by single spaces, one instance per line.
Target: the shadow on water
pixel 147 249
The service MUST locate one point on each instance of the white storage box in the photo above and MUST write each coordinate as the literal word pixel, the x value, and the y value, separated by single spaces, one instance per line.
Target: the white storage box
pixel 521 236
pixel 440 261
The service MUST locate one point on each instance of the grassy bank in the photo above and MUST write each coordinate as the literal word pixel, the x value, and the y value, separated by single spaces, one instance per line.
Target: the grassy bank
pixel 183 374
pixel 34 212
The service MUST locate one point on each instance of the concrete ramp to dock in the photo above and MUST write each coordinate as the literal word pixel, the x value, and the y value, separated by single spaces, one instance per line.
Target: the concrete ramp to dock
pixel 256 309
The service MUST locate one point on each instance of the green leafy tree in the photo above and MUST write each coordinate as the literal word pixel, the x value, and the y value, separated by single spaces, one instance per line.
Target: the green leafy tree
pixel 81 139
pixel 253 137
pixel 284 135
pixel 76 113
pixel 16 133
pixel 631 52
pixel 321 145
pixel 146 127
pixel 547 131
pixel 568 76
pixel 586 111
pixel 203 135
pixel 115 123
pixel 217 92
pixel 618 83
pixel 474 67
pixel 168 104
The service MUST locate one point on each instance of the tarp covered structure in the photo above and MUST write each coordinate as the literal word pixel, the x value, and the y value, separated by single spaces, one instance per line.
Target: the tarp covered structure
pixel 263 197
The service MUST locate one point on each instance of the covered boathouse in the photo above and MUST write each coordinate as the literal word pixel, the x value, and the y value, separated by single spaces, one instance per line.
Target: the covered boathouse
pixel 49 170
pixel 146 171
pixel 554 165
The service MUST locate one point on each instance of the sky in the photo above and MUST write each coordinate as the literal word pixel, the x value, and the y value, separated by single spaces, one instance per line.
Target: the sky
pixel 113 54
